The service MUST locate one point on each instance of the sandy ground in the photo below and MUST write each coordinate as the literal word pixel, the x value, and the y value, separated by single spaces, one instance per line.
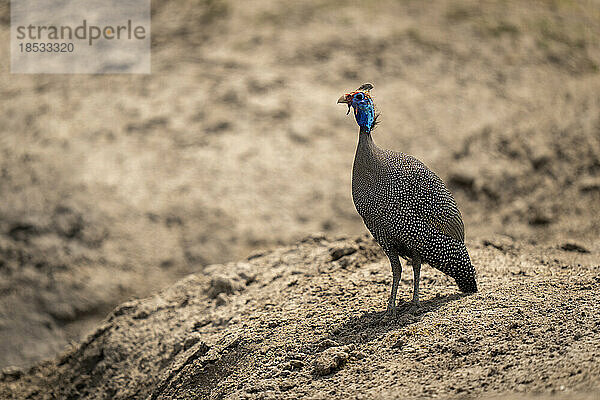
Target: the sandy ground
pixel 113 187
pixel 303 322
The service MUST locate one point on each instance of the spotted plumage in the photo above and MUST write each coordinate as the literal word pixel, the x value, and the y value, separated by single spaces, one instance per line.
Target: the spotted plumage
pixel 406 207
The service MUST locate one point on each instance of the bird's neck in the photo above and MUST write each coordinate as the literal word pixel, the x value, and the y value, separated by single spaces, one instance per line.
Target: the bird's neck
pixel 366 144
pixel 366 151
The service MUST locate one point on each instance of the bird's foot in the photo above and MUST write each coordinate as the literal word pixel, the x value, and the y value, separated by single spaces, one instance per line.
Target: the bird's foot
pixel 391 311
pixel 414 306
pixel 390 314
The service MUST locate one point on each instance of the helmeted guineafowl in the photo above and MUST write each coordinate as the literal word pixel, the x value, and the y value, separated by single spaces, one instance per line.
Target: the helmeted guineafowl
pixel 405 206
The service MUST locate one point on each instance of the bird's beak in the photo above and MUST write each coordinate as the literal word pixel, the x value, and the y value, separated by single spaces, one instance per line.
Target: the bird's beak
pixel 344 99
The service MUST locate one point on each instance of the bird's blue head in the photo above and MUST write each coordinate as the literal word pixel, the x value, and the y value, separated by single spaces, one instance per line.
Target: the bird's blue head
pixel 364 109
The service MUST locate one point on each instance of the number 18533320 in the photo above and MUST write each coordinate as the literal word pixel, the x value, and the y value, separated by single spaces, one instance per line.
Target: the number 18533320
pixel 46 47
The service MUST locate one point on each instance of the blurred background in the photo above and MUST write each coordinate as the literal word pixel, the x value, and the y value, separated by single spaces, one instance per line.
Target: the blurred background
pixel 113 186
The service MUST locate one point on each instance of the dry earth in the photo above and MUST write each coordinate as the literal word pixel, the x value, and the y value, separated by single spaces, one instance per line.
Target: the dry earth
pixel 306 321
pixel 112 187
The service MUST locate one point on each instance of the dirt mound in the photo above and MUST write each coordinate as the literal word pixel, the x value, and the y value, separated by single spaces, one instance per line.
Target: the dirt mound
pixel 301 321
pixel 114 186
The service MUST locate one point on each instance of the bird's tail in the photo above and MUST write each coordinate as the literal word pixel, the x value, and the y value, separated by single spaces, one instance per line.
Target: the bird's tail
pixel 456 263
pixel 462 271
pixel 467 284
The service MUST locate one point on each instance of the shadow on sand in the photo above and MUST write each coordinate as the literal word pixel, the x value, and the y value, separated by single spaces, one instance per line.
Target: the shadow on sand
pixel 371 325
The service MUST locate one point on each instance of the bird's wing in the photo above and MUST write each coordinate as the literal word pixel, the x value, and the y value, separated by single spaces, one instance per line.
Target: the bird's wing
pixel 433 202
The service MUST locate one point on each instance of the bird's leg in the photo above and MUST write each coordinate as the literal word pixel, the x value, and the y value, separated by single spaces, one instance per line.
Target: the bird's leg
pixel 396 273
pixel 416 264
